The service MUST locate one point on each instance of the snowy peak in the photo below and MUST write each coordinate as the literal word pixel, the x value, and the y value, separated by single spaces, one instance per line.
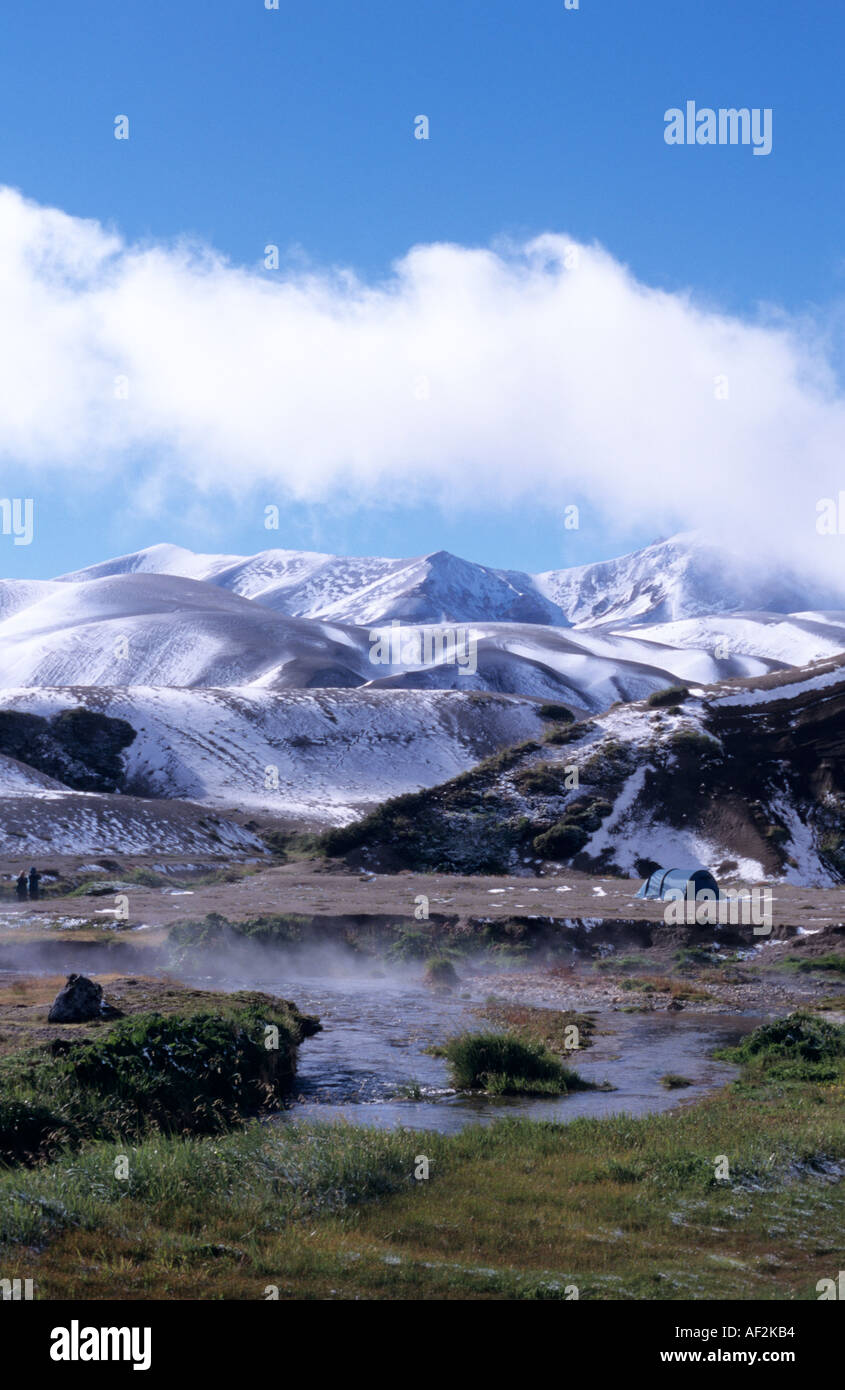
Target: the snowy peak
pixel 155 559
pixel 684 577
pixel 443 588
pixel 435 588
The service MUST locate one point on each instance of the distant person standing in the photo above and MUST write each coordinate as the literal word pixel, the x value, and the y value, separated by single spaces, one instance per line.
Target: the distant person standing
pixel 20 885
pixel 34 880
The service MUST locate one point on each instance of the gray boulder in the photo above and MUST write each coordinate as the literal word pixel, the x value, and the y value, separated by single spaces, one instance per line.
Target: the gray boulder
pixel 78 1002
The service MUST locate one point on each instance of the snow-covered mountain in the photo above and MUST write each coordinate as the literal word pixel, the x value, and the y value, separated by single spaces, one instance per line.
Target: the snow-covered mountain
pixel 157 629
pixel 683 577
pixel 438 588
pixel 680 610
pixel 249 684
pixel 142 628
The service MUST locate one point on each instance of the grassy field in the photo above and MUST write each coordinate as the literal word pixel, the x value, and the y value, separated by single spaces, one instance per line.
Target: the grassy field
pixel 734 1198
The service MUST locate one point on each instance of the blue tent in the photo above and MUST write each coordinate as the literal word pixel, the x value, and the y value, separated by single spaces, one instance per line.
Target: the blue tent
pixel 679 883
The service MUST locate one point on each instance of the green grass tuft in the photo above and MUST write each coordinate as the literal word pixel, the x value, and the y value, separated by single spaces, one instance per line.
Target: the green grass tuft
pixel 502 1064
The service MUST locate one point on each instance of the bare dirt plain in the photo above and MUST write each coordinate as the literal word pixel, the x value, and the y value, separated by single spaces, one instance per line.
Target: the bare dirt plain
pixel 312 886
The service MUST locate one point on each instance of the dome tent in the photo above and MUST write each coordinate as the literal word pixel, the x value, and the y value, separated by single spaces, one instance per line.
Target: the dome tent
pixel 679 883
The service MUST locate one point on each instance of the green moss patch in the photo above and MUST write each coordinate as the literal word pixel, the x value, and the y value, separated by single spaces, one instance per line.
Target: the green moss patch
pixel 801 1047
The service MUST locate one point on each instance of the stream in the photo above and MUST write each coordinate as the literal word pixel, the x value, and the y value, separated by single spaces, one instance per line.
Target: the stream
pixel 376 1032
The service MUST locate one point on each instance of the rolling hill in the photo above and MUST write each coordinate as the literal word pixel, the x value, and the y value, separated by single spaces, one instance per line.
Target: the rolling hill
pixel 310 758
pixel 141 627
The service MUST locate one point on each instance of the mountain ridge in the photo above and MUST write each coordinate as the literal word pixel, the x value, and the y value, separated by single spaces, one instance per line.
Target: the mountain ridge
pixel 684 576
pixel 142 628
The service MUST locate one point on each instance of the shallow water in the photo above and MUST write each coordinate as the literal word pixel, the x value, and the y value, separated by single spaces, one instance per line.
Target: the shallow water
pixel 375 1031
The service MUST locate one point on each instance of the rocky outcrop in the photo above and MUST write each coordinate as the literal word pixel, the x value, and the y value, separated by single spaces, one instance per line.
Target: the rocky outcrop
pixel 79 1001
pixel 78 747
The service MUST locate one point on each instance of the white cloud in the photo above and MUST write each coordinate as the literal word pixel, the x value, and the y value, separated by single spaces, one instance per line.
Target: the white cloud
pixel 541 382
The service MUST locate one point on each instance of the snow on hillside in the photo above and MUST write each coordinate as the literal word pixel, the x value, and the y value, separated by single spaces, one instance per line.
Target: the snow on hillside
pixel 140 628
pixel 320 757
pixel 16 594
pixel 438 588
pixel 587 669
pixel 634 828
pixel 708 780
pixel 795 639
pixel 143 628
pixel 359 590
pixel 155 559
pixel 721 812
pixel 805 681
pixel 56 822
pixel 17 779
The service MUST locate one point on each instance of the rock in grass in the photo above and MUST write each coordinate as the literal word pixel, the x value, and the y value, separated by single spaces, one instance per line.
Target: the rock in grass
pixel 79 1001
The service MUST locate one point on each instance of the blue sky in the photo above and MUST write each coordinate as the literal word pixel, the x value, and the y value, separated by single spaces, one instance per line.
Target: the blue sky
pixel 295 127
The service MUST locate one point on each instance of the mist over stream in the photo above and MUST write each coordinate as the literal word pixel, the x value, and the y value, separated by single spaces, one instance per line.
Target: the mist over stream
pixel 379 1020
pixel 370 1064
